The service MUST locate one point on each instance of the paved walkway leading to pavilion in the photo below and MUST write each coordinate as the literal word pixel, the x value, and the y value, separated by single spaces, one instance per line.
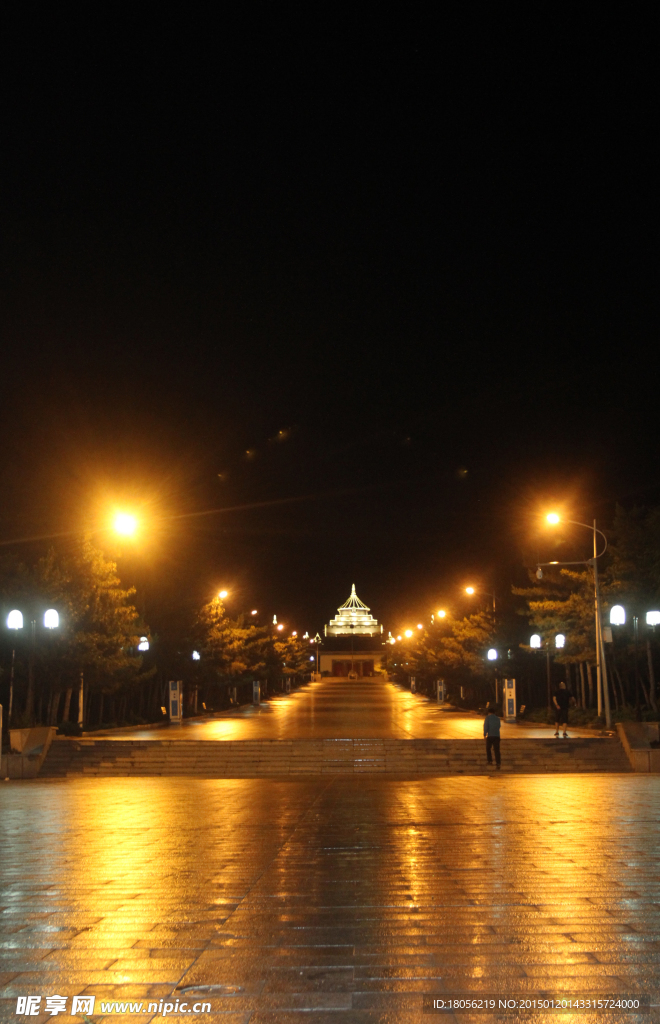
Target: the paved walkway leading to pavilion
pixel 348 897
pixel 339 708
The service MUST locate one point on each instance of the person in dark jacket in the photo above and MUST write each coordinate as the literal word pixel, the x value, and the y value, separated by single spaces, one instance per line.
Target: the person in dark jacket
pixel 561 701
pixel 492 736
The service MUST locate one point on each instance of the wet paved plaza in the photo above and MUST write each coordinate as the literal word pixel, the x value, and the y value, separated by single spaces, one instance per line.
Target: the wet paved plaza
pixel 341 899
pixel 339 708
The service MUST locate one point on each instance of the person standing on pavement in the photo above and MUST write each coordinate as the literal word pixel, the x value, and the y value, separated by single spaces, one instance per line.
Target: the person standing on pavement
pixel 492 736
pixel 561 701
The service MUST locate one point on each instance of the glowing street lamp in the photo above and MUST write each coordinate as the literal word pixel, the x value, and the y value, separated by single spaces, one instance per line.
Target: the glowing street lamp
pixel 442 614
pixel 473 590
pixel 408 633
pixel 536 643
pixel 653 618
pixel 196 656
pixel 419 625
pixel 125 524
pixel 15 619
pixel 492 654
pixel 618 615
pixel 143 644
pixel 223 594
pixel 553 518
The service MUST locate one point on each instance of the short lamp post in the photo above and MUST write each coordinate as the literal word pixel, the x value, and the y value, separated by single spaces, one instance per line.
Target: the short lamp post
pixel 15 621
pixel 317 641
pixel 536 643
pixel 492 656
pixel 618 618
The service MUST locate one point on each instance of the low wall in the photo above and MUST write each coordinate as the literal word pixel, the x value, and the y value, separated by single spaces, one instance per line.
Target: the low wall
pixel 636 739
pixel 27 766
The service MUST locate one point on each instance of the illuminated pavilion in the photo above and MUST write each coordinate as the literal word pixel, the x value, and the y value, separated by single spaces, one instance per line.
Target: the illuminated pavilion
pixel 350 647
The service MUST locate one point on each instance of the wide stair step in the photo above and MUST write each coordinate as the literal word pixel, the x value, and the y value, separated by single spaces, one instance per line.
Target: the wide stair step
pixel 252 758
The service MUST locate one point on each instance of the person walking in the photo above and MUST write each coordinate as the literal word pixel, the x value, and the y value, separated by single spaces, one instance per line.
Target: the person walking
pixel 561 701
pixel 492 736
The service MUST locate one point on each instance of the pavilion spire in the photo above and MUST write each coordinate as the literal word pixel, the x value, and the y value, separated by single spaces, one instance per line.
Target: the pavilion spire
pixel 353 616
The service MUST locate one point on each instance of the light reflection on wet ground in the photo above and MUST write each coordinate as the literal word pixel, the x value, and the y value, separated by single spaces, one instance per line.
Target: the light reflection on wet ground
pixel 349 897
pixel 340 709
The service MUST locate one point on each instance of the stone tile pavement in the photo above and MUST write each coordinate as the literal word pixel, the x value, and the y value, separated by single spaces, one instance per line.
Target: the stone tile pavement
pixel 338 899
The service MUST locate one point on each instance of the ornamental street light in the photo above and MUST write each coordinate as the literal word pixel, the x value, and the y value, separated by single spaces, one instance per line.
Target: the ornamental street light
pixel 617 615
pixel 601 664
pixel 536 643
pixel 317 641
pixel 618 618
pixel 478 590
pixel 15 621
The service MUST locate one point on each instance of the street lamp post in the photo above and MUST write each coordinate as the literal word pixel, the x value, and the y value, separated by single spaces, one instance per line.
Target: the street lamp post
pixel 487 593
pixel 536 643
pixel 15 622
pixel 601 664
pixel 618 618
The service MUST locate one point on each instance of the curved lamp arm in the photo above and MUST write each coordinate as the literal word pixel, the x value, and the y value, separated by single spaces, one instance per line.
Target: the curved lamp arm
pixel 574 522
pixel 581 561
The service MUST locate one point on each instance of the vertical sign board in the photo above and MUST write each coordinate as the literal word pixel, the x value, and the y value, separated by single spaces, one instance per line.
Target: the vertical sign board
pixel 175 701
pixel 440 691
pixel 509 700
pixel 256 693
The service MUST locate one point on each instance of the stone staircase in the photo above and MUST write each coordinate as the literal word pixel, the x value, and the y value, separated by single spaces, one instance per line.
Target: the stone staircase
pixel 251 758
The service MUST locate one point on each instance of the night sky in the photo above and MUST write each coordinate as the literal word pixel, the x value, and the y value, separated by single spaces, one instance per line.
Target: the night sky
pixel 404 270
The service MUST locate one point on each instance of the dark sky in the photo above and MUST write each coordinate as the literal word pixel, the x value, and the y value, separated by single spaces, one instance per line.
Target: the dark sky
pixel 423 248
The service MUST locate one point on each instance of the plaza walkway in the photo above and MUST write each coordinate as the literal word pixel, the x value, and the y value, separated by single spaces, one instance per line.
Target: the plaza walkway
pixel 340 709
pixel 328 727
pixel 338 900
